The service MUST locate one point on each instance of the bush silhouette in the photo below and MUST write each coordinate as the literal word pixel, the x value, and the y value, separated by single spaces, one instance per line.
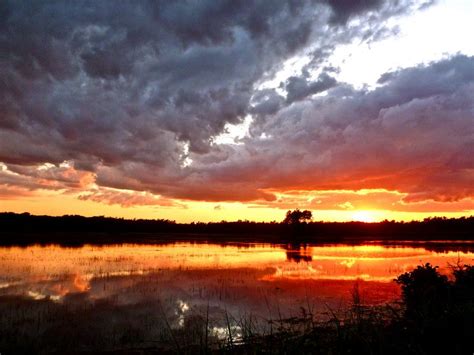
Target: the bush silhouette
pixel 463 288
pixel 425 292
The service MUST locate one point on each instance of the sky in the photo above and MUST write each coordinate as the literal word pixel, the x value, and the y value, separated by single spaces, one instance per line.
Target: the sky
pixel 227 110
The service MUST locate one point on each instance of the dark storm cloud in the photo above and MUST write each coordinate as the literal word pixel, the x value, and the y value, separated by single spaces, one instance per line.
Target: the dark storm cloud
pixel 299 88
pixel 413 134
pixel 128 91
pixel 343 9
pixel 136 70
pixel 267 102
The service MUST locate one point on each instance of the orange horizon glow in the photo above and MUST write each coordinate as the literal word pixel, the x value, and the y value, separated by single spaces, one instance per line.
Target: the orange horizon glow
pixel 186 211
pixel 350 121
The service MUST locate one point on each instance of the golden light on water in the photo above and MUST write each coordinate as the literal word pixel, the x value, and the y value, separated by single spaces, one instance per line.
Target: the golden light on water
pixel 54 271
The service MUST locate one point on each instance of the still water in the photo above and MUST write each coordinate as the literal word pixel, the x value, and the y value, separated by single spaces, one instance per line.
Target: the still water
pixel 243 278
pixel 141 296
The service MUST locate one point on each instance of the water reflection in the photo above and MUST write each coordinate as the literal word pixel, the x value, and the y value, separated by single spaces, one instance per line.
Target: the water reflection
pixel 254 278
pixel 150 289
pixel 298 252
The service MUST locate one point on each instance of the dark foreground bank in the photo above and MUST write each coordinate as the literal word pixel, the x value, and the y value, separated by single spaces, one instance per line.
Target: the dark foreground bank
pixel 434 316
pixel 22 229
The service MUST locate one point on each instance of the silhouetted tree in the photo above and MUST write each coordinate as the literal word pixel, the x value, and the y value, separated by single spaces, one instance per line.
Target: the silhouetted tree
pixel 297 217
pixel 296 220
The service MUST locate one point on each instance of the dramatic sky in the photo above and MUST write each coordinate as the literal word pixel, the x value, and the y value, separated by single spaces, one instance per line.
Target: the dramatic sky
pixel 209 110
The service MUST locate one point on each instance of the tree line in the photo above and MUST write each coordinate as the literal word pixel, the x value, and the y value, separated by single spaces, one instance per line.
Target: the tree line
pixel 297 224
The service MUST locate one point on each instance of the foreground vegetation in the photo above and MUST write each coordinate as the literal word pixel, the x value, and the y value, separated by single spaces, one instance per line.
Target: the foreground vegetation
pixel 434 316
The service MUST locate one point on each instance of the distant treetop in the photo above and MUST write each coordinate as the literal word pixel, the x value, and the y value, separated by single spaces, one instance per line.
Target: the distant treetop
pixel 296 217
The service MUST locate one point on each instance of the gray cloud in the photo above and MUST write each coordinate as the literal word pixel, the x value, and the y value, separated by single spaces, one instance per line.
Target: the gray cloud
pixel 126 91
pixel 413 134
pixel 136 69
pixel 299 88
pixel 342 10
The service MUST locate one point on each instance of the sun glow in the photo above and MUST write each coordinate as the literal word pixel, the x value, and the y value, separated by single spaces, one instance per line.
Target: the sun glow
pixel 364 216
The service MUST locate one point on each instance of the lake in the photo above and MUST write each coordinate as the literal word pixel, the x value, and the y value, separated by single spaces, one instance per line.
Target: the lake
pixel 166 286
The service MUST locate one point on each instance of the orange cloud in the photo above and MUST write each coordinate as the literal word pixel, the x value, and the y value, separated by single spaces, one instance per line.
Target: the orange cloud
pixel 374 199
pixel 129 198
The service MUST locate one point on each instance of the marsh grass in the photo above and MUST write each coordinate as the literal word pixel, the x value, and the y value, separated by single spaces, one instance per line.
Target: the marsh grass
pixel 434 316
pixel 29 326
pixel 134 312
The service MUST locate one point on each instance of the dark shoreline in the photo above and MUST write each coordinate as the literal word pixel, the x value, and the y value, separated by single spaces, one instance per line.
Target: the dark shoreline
pixel 444 246
pixel 26 229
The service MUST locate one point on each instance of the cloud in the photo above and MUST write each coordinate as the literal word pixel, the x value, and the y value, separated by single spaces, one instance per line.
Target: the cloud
pixel 365 199
pixel 342 10
pixel 13 193
pixel 126 92
pixel 128 198
pixel 46 176
pixel 298 88
pixel 413 134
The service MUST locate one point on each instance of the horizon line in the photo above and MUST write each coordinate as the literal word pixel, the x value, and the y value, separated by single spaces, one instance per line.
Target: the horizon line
pixel 236 221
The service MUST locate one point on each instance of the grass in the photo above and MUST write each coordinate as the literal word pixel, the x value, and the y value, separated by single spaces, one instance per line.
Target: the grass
pixel 138 313
pixel 78 325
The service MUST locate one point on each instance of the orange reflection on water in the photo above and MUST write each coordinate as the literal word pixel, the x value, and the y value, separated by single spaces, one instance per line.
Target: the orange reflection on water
pixel 236 271
pixel 366 262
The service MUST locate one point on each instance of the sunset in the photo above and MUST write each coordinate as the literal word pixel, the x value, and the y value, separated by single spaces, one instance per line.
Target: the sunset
pixel 195 154
pixel 163 112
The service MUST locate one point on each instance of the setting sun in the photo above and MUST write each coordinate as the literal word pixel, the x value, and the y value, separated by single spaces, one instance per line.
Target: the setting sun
pixel 364 216
pixel 236 176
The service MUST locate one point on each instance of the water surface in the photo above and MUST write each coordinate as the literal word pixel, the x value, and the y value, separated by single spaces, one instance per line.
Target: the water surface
pixel 244 278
